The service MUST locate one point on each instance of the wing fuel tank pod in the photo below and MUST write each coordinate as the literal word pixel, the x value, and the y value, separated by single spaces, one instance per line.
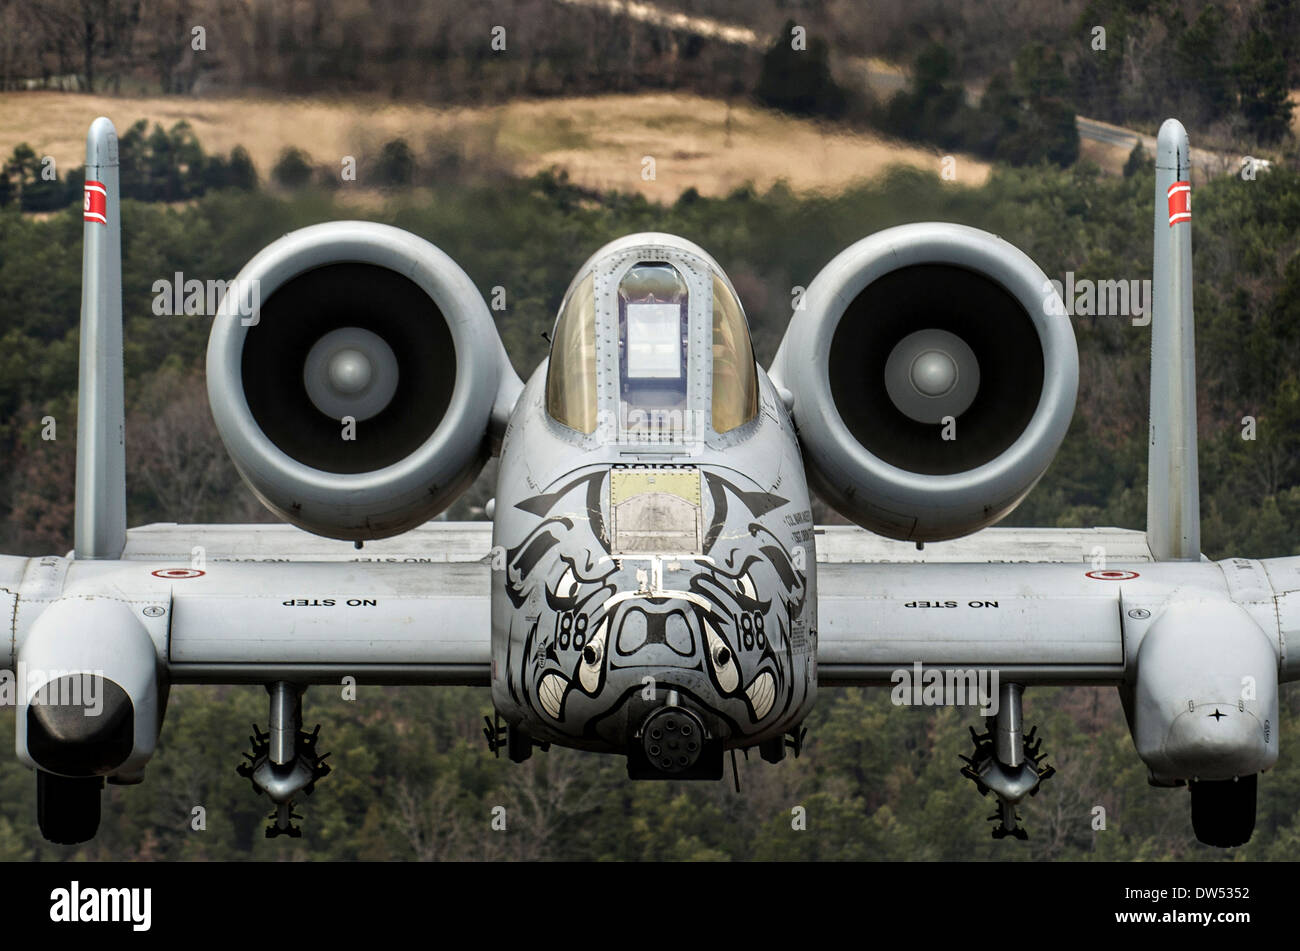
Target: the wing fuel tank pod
pixel 932 374
pixel 88 690
pixel 357 379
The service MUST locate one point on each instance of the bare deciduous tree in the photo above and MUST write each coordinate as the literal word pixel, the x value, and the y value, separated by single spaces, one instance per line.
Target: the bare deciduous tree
pixel 174 451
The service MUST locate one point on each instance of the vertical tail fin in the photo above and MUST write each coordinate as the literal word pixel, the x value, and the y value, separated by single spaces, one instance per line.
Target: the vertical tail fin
pixel 100 526
pixel 1173 488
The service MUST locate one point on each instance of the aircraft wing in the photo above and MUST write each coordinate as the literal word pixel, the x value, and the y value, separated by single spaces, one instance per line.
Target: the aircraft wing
pixel 1038 605
pixel 435 542
pixel 241 603
pixel 1064 606
pixel 278 601
pixel 244 603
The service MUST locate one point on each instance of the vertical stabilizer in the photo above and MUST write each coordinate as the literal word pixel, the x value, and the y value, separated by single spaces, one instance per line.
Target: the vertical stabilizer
pixel 1173 488
pixel 100 530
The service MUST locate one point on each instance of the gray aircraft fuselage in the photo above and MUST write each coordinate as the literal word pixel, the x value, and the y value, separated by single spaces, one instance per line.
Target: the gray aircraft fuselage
pixel 653 563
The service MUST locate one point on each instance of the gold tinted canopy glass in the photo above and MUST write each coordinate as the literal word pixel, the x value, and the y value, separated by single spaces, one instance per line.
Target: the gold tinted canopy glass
pixel 735 380
pixel 571 375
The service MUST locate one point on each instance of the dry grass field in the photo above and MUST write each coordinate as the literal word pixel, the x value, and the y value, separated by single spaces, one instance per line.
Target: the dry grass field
pixel 601 141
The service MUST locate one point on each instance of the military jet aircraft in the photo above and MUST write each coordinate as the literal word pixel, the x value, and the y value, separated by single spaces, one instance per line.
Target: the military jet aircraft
pixel 652 584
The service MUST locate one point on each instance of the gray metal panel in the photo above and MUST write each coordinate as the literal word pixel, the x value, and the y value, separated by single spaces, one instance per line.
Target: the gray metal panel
pixel 1052 675
pixel 100 519
pixel 1284 577
pixel 8 626
pixel 1173 491
pixel 441 675
pixel 431 542
pixel 1249 586
pixel 12 569
pixel 970 615
pixel 847 544
pixel 332 613
pixel 472 541
pixel 41 584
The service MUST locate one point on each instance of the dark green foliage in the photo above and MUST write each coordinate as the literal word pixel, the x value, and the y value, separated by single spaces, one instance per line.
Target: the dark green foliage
pixel 1262 79
pixel 412 779
pixel 935 110
pixel 1138 161
pixel 395 165
pixel 155 166
pixel 161 165
pixel 1223 68
pixel 33 180
pixel 1023 117
pixel 241 173
pixel 236 172
pixel 1201 71
pixel 292 169
pixel 799 81
pixel 1032 118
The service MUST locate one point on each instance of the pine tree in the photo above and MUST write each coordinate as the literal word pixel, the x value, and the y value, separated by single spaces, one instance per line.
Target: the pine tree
pixel 1261 77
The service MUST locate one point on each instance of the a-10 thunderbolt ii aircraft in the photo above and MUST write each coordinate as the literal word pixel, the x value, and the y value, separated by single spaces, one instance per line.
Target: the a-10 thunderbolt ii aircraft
pixel 652 584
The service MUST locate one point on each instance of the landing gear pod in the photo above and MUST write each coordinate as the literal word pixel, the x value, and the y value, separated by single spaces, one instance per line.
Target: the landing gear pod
pixel 88 708
pixel 353 373
pixel 1205 712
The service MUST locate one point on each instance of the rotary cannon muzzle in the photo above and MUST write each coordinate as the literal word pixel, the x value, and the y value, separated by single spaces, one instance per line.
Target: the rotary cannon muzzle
pixel 672 738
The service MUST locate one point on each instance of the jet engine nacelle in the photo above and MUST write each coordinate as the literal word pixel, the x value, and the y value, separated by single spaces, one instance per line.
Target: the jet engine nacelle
pixel 932 374
pixel 353 373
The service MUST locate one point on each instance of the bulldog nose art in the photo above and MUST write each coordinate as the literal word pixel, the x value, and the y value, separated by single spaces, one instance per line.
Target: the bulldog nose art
pixel 653 625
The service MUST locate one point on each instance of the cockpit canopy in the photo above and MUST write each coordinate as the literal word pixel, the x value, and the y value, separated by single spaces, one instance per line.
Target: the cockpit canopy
pixel 632 350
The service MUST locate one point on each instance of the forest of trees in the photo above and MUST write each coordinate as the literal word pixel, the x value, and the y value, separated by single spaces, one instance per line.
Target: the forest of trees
pixel 1028 66
pixel 1225 67
pixel 1023 117
pixel 439 51
pixel 412 778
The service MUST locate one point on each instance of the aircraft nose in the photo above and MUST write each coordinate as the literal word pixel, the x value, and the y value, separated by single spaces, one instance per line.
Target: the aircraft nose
pixel 655 631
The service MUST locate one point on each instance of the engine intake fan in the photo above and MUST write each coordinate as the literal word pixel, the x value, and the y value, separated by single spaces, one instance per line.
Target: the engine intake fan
pixel 358 389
